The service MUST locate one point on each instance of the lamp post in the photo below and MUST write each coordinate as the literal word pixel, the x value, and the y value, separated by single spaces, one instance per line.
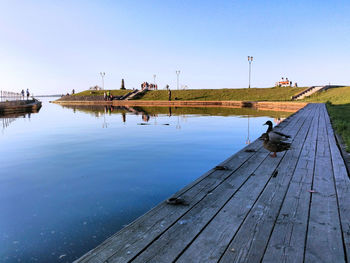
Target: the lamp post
pixel 177 73
pixel 250 60
pixel 103 74
pixel 154 79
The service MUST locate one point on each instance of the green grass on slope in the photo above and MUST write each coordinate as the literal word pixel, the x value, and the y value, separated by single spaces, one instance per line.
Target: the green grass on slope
pixel 338 105
pixel 340 116
pixel 115 92
pixel 253 94
pixel 335 96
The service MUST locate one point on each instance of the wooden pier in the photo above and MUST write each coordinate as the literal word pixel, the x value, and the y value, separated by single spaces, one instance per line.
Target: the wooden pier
pixel 19 106
pixel 293 208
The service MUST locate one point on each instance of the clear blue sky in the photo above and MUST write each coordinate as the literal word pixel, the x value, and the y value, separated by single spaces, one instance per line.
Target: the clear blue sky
pixel 55 46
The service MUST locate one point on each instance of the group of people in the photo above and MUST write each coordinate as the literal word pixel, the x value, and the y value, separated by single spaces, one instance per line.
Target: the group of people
pixel 285 83
pixel 146 85
pixel 107 95
pixel 22 92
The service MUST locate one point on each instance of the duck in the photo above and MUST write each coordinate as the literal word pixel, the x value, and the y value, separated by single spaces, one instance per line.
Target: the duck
pixel 275 136
pixel 273 146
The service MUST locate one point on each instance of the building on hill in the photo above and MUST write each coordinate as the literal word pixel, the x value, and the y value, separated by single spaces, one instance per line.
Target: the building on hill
pixel 95 88
pixel 284 83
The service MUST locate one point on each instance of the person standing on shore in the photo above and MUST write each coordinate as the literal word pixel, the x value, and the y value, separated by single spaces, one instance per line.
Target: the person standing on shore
pixel 73 92
pixel 28 94
pixel 169 92
pixel 22 92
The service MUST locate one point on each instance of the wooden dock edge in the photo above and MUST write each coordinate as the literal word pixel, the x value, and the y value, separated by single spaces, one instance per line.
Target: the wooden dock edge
pixel 19 106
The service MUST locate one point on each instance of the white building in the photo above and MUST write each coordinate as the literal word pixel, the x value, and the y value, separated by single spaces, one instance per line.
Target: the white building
pixel 95 88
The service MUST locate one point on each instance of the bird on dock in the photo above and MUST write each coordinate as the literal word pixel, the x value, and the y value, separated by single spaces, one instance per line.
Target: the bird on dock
pixel 275 136
pixel 273 146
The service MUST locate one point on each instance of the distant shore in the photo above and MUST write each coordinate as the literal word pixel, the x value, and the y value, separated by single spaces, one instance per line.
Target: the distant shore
pixel 260 105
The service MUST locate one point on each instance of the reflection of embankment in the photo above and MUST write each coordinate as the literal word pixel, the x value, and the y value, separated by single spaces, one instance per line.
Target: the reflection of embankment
pixel 97 110
pixel 7 119
pixel 259 105
pixel 212 111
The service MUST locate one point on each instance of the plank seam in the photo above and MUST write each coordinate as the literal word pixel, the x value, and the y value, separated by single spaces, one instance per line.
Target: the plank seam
pixel 312 185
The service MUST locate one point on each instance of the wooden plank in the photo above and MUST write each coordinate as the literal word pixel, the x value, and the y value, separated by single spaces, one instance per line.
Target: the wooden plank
pixel 131 240
pixel 287 241
pixel 324 237
pixel 342 184
pixel 249 242
pixel 175 240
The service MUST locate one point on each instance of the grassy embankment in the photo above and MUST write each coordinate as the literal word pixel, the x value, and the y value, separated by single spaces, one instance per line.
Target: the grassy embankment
pixel 115 92
pixel 338 105
pixel 253 94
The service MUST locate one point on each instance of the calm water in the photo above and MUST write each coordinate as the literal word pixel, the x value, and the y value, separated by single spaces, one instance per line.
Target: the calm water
pixel 71 177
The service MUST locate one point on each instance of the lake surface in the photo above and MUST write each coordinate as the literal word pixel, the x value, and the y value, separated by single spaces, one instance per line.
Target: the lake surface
pixel 72 176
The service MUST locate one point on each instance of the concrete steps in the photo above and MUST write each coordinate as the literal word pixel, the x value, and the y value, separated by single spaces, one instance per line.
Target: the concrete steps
pixel 133 94
pixel 307 92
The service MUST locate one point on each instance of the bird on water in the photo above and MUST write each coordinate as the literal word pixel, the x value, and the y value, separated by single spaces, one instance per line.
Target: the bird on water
pixel 274 146
pixel 275 136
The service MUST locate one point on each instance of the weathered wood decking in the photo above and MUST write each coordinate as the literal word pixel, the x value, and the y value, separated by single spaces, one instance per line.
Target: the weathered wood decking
pixel 250 214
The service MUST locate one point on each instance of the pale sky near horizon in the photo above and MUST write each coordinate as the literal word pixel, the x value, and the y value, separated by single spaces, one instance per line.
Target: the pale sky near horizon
pixel 52 47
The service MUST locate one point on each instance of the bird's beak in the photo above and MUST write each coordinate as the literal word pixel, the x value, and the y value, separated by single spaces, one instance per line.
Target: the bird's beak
pixel 264 124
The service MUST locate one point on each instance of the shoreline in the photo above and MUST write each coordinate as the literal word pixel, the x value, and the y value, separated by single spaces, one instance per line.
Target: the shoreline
pixel 259 105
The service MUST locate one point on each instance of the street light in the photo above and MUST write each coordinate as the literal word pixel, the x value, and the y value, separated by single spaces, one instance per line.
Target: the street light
pixel 250 60
pixel 154 79
pixel 103 74
pixel 177 73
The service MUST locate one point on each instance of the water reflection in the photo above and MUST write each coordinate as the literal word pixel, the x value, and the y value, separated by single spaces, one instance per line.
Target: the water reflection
pixel 148 113
pixel 7 119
